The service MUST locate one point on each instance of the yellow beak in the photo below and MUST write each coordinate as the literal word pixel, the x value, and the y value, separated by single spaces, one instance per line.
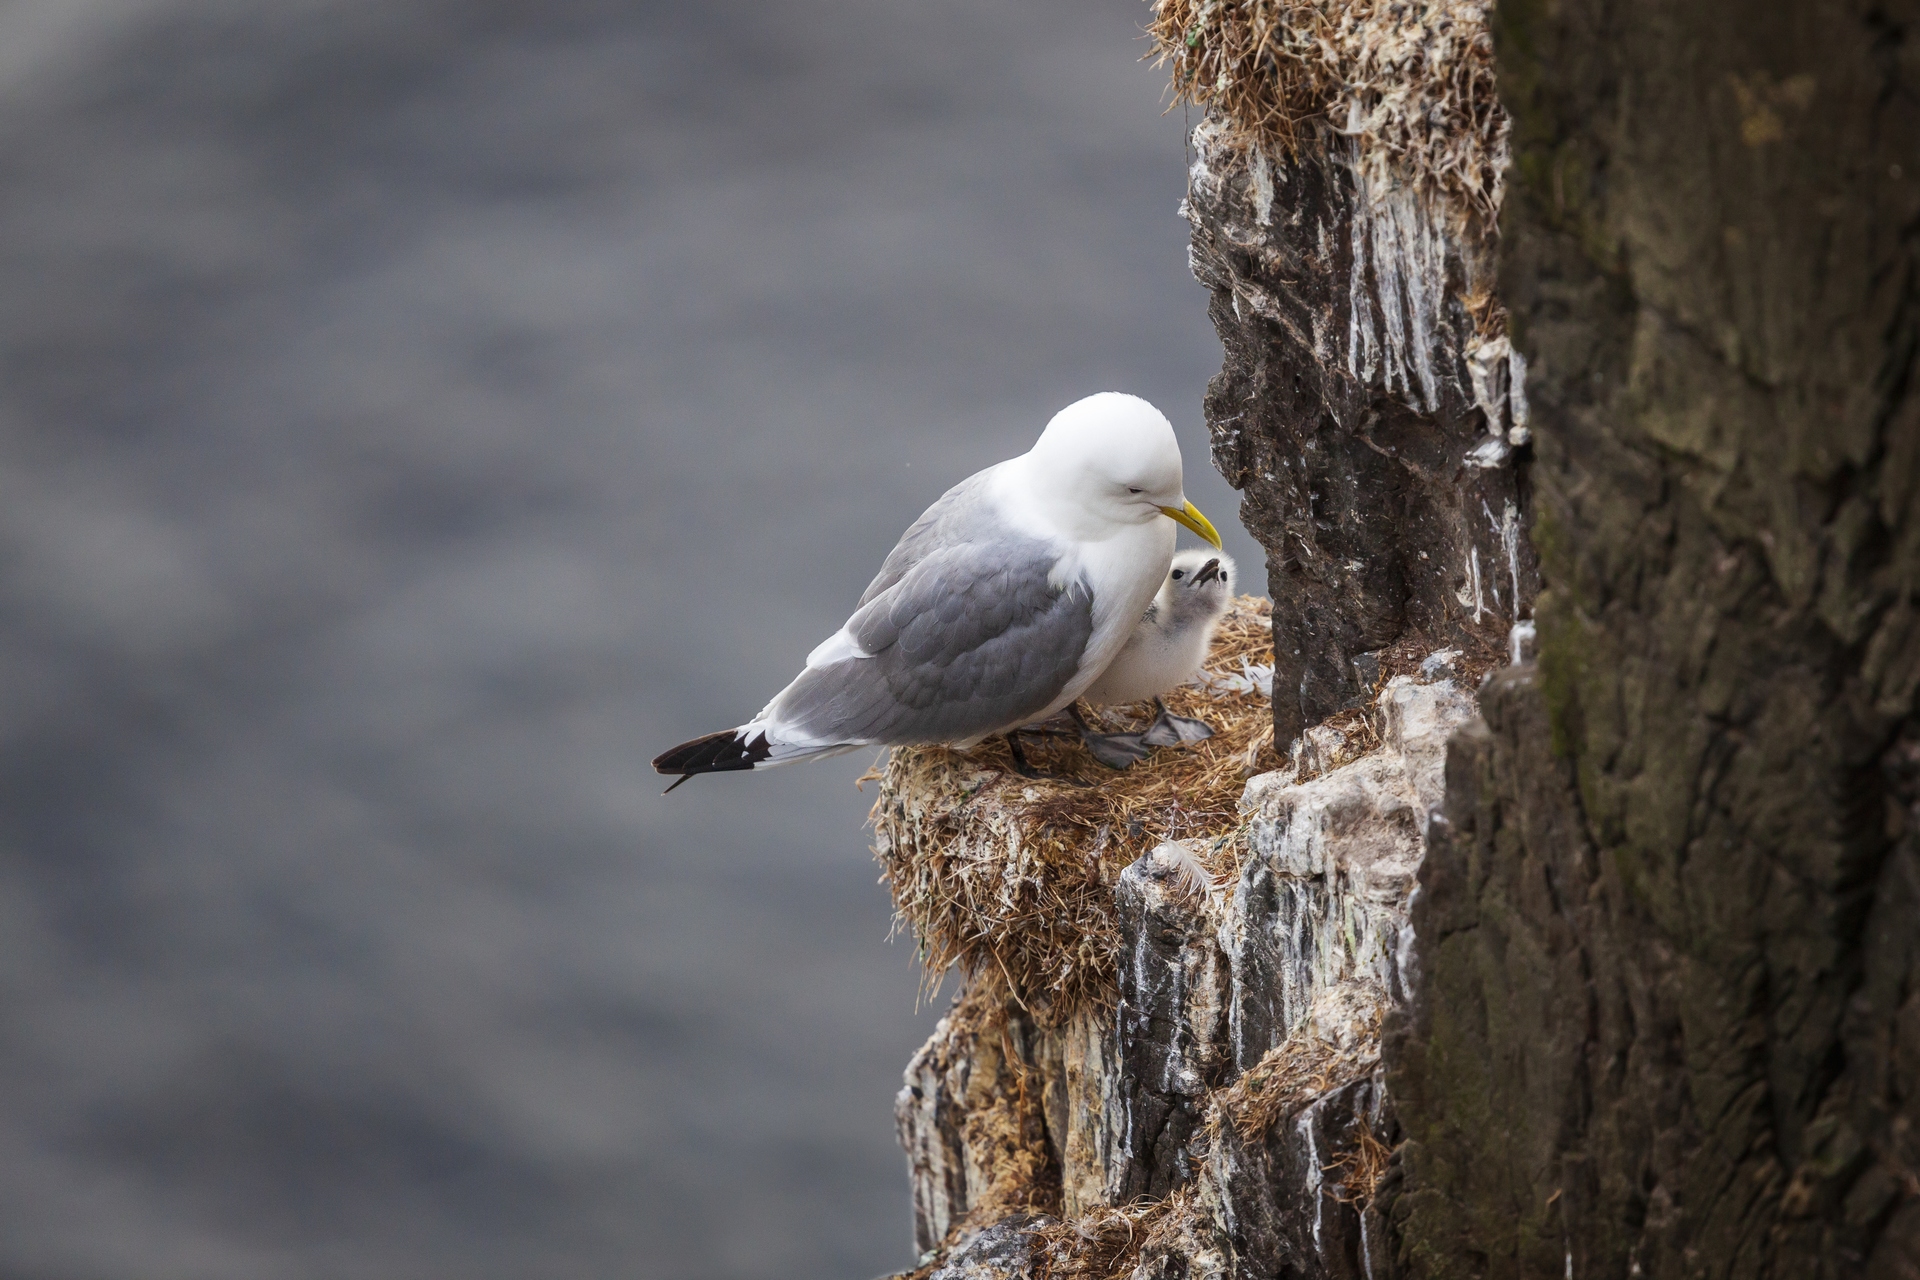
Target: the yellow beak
pixel 1190 516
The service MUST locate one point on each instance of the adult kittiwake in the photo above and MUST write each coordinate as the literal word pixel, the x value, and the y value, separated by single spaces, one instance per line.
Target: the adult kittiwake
pixel 998 607
pixel 1165 651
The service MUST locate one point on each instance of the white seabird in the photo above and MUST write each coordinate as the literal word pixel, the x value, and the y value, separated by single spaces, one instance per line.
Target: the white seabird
pixel 998 607
pixel 1165 651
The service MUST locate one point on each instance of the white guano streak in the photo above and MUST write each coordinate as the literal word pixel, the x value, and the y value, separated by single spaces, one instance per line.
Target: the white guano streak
pixel 1305 1126
pixel 1400 261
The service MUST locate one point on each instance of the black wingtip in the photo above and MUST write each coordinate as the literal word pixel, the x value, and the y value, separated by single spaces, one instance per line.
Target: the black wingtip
pixel 722 752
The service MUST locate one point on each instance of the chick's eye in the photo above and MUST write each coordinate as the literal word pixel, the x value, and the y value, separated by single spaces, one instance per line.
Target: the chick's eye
pixel 1177 573
pixel 1131 489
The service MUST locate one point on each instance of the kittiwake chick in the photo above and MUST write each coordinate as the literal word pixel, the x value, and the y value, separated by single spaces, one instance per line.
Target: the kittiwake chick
pixel 997 608
pixel 1166 650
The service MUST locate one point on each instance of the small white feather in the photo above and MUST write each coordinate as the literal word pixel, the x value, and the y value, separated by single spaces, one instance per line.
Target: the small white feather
pixel 1180 864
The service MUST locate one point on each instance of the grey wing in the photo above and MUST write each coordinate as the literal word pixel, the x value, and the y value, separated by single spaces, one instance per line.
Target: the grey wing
pixel 972 639
pixel 960 515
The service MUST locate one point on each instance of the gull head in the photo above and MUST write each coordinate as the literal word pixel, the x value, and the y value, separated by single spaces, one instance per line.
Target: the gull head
pixel 1199 585
pixel 1112 459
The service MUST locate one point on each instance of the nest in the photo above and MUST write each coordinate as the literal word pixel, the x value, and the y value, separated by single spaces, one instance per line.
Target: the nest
pixel 1012 879
pixel 1411 81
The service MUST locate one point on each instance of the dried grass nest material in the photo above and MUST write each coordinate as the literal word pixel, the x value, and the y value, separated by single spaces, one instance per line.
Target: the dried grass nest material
pixel 1106 1243
pixel 1012 879
pixel 1288 1077
pixel 1410 80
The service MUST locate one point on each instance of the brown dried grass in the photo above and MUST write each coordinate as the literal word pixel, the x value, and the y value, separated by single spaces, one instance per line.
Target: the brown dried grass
pixel 1358 1172
pixel 1092 1248
pixel 1105 1243
pixel 1286 1078
pixel 1012 879
pixel 1410 80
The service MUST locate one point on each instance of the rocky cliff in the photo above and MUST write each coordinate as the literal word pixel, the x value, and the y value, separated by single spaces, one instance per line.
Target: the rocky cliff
pixel 1605 965
pixel 1166 1056
pixel 1669 1022
pixel 1211 1101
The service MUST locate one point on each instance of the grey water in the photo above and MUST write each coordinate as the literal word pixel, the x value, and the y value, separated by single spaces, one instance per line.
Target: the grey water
pixel 415 414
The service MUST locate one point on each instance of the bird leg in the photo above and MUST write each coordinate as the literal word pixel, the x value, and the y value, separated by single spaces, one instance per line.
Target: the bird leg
pixel 1114 750
pixel 1025 769
pixel 1019 754
pixel 1169 730
pixel 1060 726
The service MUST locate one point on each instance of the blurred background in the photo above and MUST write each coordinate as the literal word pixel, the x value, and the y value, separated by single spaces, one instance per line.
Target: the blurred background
pixel 415 415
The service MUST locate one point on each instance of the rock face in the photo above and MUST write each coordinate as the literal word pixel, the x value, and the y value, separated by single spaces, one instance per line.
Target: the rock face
pixel 1003 1251
pixel 1668 1019
pixel 1369 407
pixel 974 1131
pixel 1236 1081
pixel 1654 1007
pixel 1317 928
pixel 1296 1201
pixel 1169 1033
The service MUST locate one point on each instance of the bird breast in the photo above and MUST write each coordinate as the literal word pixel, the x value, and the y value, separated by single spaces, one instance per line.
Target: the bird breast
pixel 1153 661
pixel 1123 570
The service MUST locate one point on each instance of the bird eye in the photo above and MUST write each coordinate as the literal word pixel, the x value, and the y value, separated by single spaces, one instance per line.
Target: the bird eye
pixel 1131 489
pixel 1177 573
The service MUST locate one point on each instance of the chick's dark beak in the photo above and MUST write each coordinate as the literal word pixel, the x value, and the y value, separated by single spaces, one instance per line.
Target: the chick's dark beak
pixel 1208 572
